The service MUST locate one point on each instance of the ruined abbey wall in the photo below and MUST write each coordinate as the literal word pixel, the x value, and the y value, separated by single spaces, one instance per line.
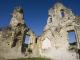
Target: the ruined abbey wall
pixel 12 37
pixel 53 42
pixel 60 21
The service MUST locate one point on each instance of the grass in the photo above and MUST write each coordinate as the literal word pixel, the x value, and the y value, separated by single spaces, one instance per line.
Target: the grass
pixel 31 59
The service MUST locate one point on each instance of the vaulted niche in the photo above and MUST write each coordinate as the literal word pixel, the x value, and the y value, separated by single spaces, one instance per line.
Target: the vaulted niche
pixel 62 13
pixel 72 39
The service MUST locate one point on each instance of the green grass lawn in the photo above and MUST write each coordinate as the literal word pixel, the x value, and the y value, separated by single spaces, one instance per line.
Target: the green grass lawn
pixel 31 59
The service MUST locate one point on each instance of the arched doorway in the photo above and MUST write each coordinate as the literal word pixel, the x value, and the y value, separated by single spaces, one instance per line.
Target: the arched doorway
pixel 46 44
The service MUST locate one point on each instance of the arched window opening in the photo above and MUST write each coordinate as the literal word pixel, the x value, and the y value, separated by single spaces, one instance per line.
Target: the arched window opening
pixel 62 13
pixel 72 39
pixel 71 36
pixel 50 20
pixel 27 39
pixel 25 44
pixel 36 40
pixel 46 44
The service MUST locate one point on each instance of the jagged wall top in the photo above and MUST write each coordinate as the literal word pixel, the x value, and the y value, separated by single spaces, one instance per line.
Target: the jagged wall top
pixel 17 17
pixel 58 14
pixel 18 9
pixel 58 7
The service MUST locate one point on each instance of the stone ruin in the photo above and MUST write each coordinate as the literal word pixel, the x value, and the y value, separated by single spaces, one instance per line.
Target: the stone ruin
pixel 12 37
pixel 53 43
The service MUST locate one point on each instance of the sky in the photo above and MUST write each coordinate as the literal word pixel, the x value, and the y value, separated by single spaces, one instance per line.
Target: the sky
pixel 71 37
pixel 35 11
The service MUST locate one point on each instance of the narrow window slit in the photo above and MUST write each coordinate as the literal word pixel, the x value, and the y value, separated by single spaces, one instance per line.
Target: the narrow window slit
pixel 62 13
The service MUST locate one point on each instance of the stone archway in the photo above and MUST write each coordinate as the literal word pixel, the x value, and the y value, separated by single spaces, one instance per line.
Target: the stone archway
pixel 46 44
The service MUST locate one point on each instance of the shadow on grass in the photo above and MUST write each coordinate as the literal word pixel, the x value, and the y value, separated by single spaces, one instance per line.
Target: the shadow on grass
pixel 31 59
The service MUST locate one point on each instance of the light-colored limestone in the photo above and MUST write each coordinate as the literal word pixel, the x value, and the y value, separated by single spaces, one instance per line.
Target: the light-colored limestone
pixel 12 37
pixel 56 30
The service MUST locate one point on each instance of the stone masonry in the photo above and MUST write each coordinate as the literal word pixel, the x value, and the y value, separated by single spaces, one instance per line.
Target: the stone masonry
pixel 60 21
pixel 12 37
pixel 53 42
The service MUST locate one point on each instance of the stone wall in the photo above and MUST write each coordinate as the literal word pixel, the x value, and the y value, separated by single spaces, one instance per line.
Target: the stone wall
pixel 12 37
pixel 60 21
pixel 53 42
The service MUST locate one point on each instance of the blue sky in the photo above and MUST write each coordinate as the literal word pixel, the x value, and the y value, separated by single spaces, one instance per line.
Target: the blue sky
pixel 35 11
pixel 71 37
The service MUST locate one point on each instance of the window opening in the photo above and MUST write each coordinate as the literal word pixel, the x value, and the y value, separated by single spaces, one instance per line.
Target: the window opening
pixel 71 36
pixel 62 12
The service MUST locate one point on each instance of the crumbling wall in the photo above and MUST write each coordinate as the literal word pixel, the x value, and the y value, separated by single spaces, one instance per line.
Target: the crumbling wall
pixel 12 37
pixel 60 21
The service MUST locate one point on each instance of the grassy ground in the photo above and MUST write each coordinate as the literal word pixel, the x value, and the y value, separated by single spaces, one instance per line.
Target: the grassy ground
pixel 31 59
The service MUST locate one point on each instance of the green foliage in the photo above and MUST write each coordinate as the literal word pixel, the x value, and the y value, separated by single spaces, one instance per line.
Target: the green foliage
pixel 38 58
